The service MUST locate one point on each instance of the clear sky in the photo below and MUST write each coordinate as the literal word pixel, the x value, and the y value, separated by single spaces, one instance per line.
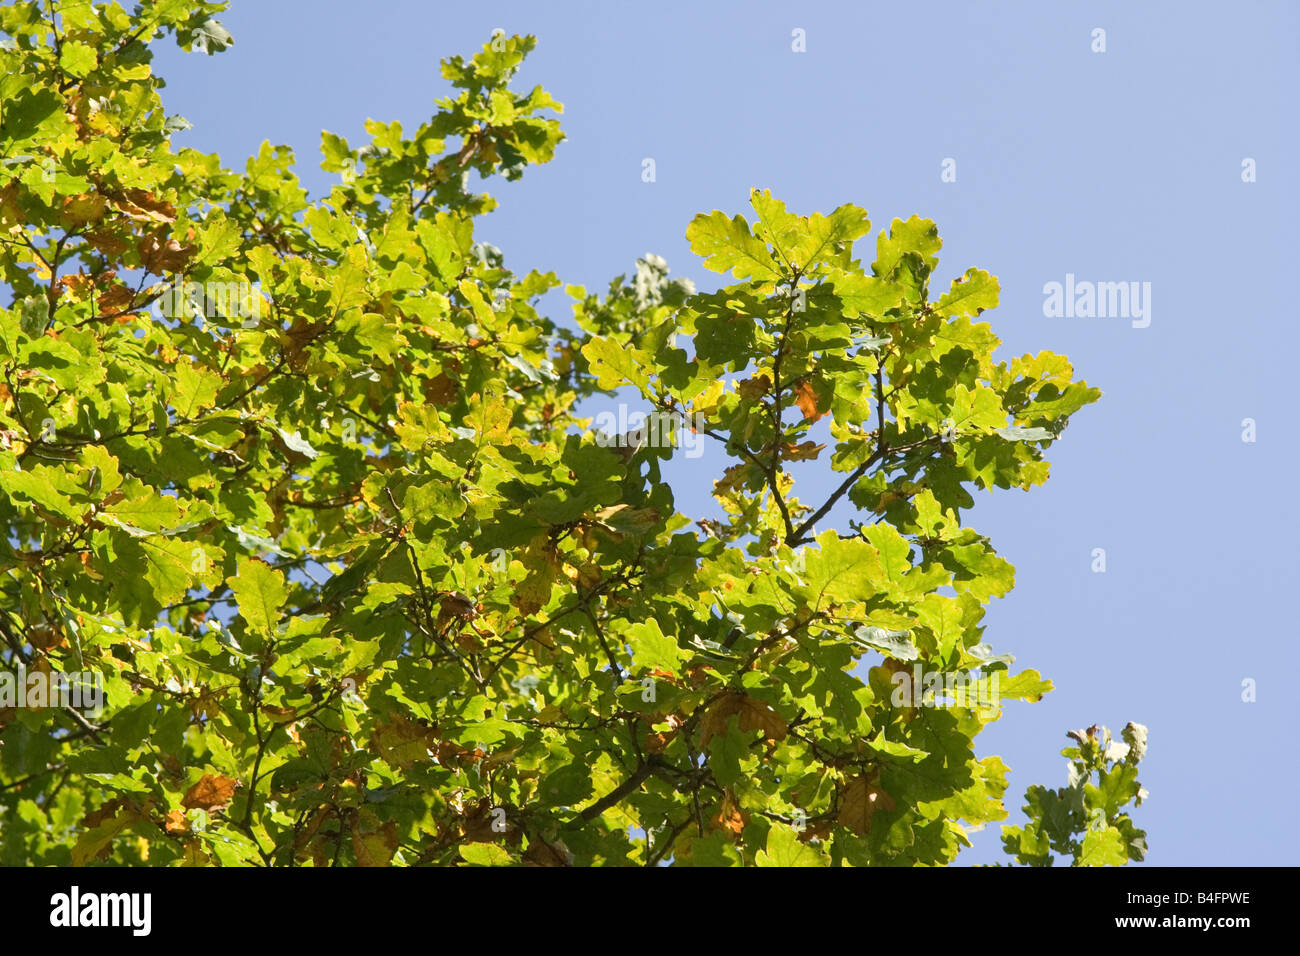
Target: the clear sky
pixel 1122 166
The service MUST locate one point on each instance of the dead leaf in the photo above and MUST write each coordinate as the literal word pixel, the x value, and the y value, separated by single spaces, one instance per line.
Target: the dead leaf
pixel 751 714
pixel 542 852
pixel 212 792
pixel 806 398
pixel 279 715
pixel 860 800
pixel 729 818
pixel 161 255
pixel 402 742
pixel 101 240
pixel 118 298
pixel 44 637
pixel 374 847
pixel 101 827
pixel 441 390
pixel 88 207
pixel 453 606
pixel 142 204
pixel 804 451
pixel 752 389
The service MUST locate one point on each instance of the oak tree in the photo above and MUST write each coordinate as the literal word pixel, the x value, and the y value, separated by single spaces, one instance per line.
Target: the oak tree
pixel 310 485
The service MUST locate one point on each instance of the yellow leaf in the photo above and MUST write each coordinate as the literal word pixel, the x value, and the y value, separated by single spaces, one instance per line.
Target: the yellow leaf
pixel 88 207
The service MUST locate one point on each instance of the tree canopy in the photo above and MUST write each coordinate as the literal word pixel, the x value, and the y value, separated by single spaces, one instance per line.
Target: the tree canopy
pixel 311 485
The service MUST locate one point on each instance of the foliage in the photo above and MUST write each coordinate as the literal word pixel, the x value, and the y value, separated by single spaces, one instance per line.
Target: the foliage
pixel 1083 820
pixel 307 483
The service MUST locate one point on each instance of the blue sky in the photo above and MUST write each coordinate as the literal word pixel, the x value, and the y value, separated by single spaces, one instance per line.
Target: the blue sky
pixel 1117 166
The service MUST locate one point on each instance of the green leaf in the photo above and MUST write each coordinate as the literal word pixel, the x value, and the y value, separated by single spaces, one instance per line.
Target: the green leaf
pixel 150 512
pixel 970 295
pixel 893 644
pixel 260 592
pixel 915 235
pixel 569 785
pixel 485 854
pixel 1027 685
pixel 77 59
pixel 784 848
pixel 841 571
pixel 727 244
pixel 652 649
pixel 1103 848
pixel 615 365
pixel 866 295
pixel 40 486
pixel 1016 433
pixel 296 442
pixel 405 434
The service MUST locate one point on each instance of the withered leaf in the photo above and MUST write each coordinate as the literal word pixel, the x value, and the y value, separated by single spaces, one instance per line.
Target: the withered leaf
pixel 806 398
pixel 751 714
pixel 212 792
pixel 860 800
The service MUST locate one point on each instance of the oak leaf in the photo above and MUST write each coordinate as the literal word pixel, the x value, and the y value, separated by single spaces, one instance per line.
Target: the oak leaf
pixel 212 792
pixel 751 714
pixel 806 398
pixel 860 800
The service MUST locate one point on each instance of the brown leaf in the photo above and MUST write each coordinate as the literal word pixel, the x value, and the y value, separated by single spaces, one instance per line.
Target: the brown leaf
pixel 118 298
pixel 141 204
pixel 212 792
pixel 80 283
pixel 453 606
pixel 806 398
pixel 44 637
pixel 161 255
pixel 177 822
pixel 751 714
pixel 441 390
pixel 298 337
pixel 819 830
pixel 757 715
pixel 752 389
pixel 106 812
pixel 734 478
pixel 541 852
pixel 101 827
pixel 449 754
pixel 401 741
pixel 730 818
pixel 477 824
pixel 860 799
pixel 313 826
pixel 101 240
pixel 280 715
pixel 79 210
pixel 804 451
pixel 375 848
